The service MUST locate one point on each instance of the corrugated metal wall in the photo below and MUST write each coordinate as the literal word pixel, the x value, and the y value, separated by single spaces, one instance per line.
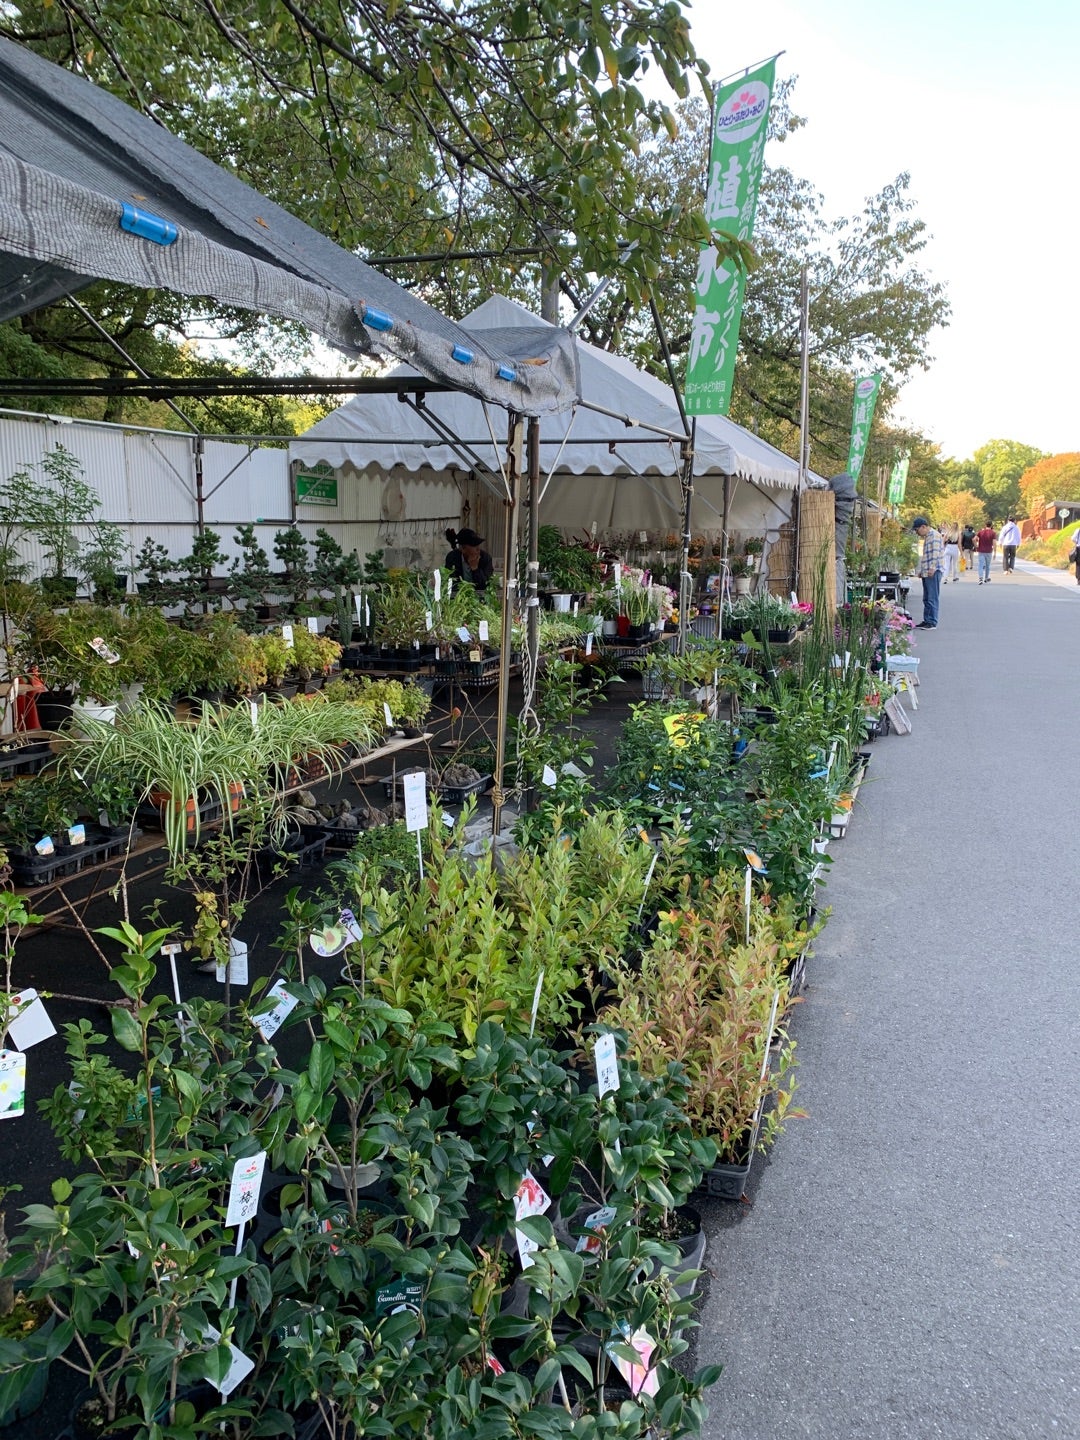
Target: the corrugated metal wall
pixel 146 480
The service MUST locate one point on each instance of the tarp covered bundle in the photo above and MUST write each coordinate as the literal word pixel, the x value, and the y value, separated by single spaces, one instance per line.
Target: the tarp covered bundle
pixel 72 156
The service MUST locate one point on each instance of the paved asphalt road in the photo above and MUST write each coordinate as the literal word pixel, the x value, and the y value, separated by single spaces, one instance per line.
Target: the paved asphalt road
pixel 908 1264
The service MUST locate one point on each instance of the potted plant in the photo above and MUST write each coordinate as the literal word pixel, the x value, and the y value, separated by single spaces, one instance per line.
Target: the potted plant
pixel 104 551
pixel 753 549
pixel 197 568
pixel 154 562
pixel 55 509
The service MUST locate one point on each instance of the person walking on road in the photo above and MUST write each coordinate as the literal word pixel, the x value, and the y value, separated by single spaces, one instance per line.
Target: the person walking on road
pixel 967 545
pixel 1009 539
pixel 952 556
pixel 931 564
pixel 984 544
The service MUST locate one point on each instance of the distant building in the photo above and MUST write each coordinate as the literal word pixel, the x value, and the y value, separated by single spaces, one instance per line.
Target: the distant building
pixel 1052 519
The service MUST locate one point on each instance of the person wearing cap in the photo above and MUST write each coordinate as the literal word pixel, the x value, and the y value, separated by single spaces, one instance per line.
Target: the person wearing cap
pixel 468 560
pixel 931 565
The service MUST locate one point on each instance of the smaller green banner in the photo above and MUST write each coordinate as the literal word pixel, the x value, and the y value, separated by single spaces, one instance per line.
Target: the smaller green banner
pixel 898 478
pixel 862 417
pixel 317 485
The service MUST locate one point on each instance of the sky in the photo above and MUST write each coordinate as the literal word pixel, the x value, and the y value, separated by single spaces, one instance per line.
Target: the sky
pixel 980 103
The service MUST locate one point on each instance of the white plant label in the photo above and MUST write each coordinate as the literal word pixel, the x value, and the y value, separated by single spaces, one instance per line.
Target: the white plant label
pixel 387 716
pixel 109 656
pixel 247 1178
pixel 530 1198
pixel 313 624
pixel 536 1002
pixel 254 713
pixel 748 891
pixel 607 1064
pixel 287 636
pixel 463 634
pixel 438 585
pixel 360 605
pixel 351 925
pixel 240 1365
pixel 269 1024
pixel 448 819
pixel 28 1020
pixel 12 1084
pixel 429 620
pixel 367 613
pixel 549 776
pixel 484 631
pixel 597 1222
pixel 617 574
pixel 576 604
pixel 588 643
pixel 414 787
pixel 238 964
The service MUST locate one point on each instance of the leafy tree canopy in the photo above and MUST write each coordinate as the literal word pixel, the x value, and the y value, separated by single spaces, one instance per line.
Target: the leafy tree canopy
pixel 1001 463
pixel 1054 477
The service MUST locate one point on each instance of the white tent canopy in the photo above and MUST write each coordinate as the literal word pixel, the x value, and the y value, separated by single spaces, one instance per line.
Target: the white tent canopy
pixel 636 485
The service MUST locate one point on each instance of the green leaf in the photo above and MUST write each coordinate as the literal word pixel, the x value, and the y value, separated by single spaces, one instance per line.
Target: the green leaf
pixel 126 1029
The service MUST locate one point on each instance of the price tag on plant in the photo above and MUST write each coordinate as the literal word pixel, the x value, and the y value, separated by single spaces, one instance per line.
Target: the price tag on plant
pixel 287 636
pixel 28 1020
pixel 588 643
pixel 76 834
pixel 387 716
pixel 536 1002
pixel 607 1064
pixel 238 963
pixel 269 1023
pixel 45 845
pixel 463 634
pixel 247 1177
pixel 437 584
pixel 530 1198
pixel 109 656
pixel 313 624
pixel 483 630
pixel 617 574
pixel 12 1084
pixel 414 787
pixel 361 609
pixel 429 620
pixel 254 708
pixel 240 1365
pixel 549 777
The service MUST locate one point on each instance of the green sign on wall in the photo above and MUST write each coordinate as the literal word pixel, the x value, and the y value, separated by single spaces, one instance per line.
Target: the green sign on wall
pixel 317 485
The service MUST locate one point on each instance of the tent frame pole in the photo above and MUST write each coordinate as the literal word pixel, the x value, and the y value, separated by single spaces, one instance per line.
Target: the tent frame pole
pixel 515 441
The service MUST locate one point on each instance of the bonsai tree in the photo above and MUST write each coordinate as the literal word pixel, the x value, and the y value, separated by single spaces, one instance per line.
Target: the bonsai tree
pixel 250 572
pixel 197 568
pixel 291 549
pixel 154 561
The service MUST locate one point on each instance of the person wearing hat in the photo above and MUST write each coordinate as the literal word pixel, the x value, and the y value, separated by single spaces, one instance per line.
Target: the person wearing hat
pixel 468 560
pixel 931 565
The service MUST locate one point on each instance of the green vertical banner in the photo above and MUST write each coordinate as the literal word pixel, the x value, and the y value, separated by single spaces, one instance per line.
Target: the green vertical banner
pixel 898 478
pixel 862 417
pixel 740 126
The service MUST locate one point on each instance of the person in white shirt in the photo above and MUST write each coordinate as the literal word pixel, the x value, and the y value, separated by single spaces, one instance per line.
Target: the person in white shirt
pixel 1009 539
pixel 952 556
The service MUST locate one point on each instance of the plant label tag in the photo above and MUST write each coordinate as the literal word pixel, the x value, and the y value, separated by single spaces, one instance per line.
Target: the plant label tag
pixel 76 834
pixel 642 1376
pixel 238 962
pixel 549 776
pixel 794 598
pixel 448 819
pixel 429 620
pixel 12 1084
pixel 617 575
pixel 247 1178
pixel 484 631
pixel 495 1366
pixel 287 636
pixel 109 656
pixel 351 926
pixel 269 1023
pixel 588 643
pixel 28 1020
pixel 45 845
pixel 330 940
pixel 463 634
pixel 754 860
pixel 387 716
pixel 437 583
pixel 414 787
pixel 475 656
pixel 536 1002
pixel 597 1222
pixel 360 606
pixel 400 1297
pixel 240 1366
pixel 530 1198
pixel 367 612
pixel 313 624
pixel 607 1064
pixel 173 948
pixel 576 606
